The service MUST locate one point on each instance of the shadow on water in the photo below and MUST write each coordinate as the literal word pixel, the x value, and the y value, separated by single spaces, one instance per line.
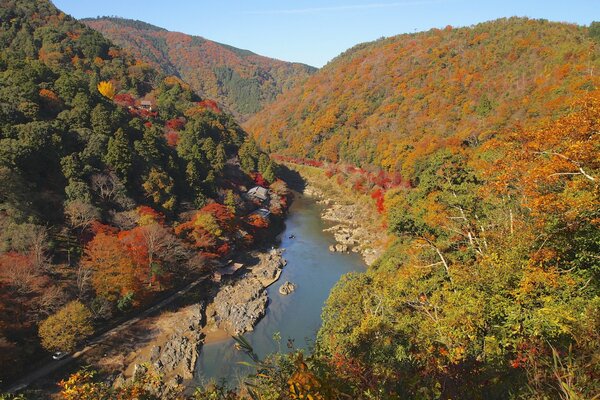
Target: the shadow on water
pixel 296 317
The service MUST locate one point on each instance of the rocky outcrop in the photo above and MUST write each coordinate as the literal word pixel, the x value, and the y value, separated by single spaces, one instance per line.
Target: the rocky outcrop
pixel 269 267
pixel 173 354
pixel 340 248
pixel 287 288
pixel 238 307
pixel 349 231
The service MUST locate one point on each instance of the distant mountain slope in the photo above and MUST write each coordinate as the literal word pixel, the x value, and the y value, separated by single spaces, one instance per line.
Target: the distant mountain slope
pixel 243 82
pixel 388 101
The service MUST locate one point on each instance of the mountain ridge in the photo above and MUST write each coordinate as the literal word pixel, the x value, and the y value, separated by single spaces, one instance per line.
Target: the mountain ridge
pixel 242 81
pixel 377 101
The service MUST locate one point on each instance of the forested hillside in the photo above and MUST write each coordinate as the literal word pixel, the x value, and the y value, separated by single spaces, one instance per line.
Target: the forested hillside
pixel 491 287
pixel 478 146
pixel 386 102
pixel 116 182
pixel 241 81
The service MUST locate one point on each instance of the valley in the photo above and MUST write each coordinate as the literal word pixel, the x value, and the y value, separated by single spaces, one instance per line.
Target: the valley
pixel 184 219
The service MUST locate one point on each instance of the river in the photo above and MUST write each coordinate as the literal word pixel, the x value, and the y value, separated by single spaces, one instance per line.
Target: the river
pixel 314 270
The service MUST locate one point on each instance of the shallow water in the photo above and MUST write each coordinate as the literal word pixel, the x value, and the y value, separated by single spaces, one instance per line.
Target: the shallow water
pixel 314 270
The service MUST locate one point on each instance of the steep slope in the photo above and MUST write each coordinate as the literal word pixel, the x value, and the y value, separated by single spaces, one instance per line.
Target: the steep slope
pixel 100 157
pixel 384 101
pixel 243 82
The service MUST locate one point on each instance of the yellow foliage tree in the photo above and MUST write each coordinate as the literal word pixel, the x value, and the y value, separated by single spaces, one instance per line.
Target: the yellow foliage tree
pixel 64 329
pixel 106 89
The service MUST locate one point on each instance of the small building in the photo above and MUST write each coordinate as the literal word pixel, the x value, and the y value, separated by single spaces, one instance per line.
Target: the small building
pixel 241 234
pixel 263 212
pixel 259 193
pixel 146 105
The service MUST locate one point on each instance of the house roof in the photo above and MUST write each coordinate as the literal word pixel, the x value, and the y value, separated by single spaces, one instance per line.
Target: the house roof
pixel 263 212
pixel 259 192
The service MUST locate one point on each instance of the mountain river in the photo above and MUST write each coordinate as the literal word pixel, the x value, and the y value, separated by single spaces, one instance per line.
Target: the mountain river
pixel 296 317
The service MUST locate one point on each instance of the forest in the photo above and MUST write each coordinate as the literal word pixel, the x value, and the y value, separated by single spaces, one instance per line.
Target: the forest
pixel 478 147
pixel 118 183
pixel 240 81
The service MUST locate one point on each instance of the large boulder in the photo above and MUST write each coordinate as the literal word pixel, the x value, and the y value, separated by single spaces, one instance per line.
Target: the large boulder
pixel 287 288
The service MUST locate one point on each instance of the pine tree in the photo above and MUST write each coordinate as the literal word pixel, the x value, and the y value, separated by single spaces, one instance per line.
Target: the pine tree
pixel 119 155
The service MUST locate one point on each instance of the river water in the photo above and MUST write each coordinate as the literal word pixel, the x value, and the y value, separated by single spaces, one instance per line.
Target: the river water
pixel 314 270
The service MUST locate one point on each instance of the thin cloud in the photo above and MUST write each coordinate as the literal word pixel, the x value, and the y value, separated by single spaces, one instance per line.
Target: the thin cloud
pixel 349 7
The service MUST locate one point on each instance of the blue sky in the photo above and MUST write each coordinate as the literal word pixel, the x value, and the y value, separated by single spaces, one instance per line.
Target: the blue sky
pixel 313 32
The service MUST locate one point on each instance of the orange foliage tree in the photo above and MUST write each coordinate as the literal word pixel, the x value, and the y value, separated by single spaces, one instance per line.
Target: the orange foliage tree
pixel 116 274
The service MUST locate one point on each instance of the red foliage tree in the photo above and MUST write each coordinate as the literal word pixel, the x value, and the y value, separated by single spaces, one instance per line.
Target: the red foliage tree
pixel 124 100
pixel 172 138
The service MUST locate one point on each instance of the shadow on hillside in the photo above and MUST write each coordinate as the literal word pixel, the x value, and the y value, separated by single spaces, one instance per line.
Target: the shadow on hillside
pixel 293 179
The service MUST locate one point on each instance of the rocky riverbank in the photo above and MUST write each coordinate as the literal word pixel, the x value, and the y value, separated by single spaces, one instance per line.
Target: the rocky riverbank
pixel 174 339
pixel 239 306
pixel 349 230
pixel 171 353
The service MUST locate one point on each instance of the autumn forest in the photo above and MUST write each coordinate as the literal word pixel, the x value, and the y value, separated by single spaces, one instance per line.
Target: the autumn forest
pixel 135 161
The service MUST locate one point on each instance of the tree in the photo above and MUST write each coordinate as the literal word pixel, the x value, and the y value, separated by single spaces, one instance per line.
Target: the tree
pixel 248 154
pixel 100 119
pixel 115 272
pixel 106 89
pixel 81 214
pixel 160 187
pixel 230 202
pixel 268 173
pixel 594 30
pixel 155 251
pixel 63 330
pixel 119 155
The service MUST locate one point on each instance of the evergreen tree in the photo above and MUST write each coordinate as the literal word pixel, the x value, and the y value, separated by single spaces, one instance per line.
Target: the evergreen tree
pixel 119 155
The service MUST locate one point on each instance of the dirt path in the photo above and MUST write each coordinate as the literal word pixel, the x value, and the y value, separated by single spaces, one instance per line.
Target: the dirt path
pixel 54 366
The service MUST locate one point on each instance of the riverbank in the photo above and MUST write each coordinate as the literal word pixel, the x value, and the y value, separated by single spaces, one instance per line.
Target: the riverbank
pixel 355 224
pixel 291 319
pixel 172 341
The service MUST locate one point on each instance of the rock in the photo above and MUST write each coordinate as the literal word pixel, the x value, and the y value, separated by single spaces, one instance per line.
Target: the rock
pixel 239 307
pixel 174 357
pixel 269 267
pixel 332 248
pixel 287 288
pixel 154 353
pixel 342 248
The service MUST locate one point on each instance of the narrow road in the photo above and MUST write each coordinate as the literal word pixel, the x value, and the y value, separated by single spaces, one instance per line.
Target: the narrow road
pixel 56 365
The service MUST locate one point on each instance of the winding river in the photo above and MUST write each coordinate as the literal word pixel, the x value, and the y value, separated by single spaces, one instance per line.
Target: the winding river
pixel 296 317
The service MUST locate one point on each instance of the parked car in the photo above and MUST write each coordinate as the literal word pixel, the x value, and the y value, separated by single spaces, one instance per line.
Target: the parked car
pixel 59 355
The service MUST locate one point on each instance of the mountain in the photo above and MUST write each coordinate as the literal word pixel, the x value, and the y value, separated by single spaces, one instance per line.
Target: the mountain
pixel 379 102
pixel 241 81
pixel 479 148
pixel 101 156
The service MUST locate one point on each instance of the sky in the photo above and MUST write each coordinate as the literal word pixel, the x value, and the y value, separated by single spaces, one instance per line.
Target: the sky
pixel 313 32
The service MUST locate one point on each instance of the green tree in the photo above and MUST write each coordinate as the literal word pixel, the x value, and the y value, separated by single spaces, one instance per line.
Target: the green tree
pixel 594 30
pixel 230 202
pixel 159 187
pixel 119 155
pixel 268 173
pixel 101 120
pixel 248 154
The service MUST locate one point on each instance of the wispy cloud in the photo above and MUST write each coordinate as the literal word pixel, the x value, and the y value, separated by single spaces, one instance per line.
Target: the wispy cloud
pixel 348 7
